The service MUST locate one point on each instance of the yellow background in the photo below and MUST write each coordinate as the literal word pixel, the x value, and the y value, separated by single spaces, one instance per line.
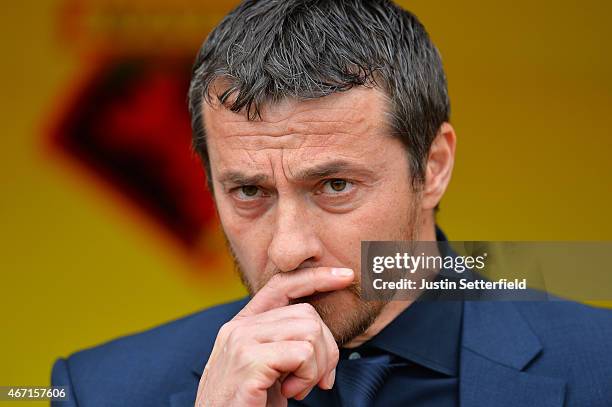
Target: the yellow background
pixel 530 85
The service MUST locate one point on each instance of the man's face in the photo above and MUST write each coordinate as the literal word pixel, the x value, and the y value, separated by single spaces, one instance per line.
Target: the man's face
pixel 303 186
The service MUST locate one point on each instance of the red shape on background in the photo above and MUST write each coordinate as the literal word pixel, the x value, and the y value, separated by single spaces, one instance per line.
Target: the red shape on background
pixel 130 124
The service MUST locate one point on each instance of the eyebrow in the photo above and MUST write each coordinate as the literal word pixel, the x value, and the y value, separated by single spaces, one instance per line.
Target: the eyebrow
pixel 240 178
pixel 316 172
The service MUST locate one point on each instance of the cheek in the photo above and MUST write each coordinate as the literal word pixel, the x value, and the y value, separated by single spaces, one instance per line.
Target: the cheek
pixel 385 218
pixel 249 239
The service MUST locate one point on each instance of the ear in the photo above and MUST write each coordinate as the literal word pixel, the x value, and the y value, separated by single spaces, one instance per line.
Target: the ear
pixel 439 168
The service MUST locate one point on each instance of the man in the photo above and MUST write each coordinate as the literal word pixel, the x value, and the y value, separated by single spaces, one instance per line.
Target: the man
pixel 322 124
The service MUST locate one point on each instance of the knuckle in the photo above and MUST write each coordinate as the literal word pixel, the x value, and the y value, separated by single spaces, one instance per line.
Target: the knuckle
pixel 307 350
pixel 225 331
pixel 318 329
pixel 234 337
pixel 311 377
pixel 251 388
pixel 308 309
pixel 276 280
pixel 313 329
pixel 335 355
pixel 311 325
pixel 231 334
pixel 242 354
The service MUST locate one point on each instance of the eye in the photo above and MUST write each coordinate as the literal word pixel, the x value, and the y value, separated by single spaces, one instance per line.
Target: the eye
pixel 336 186
pixel 248 192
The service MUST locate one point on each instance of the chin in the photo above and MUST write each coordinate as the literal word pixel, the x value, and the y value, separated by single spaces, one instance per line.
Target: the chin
pixel 344 313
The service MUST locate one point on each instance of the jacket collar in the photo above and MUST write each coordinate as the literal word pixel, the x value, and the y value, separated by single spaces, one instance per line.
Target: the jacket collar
pixel 206 341
pixel 497 346
pixel 427 333
pixel 201 342
pixel 496 330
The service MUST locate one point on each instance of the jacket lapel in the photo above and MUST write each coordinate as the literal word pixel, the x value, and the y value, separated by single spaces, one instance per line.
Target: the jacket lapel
pixel 202 343
pixel 497 346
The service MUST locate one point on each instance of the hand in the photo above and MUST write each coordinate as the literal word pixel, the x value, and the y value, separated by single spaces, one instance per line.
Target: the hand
pixel 272 351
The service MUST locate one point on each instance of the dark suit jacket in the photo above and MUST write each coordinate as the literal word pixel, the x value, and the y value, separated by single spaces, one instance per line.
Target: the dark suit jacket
pixel 544 354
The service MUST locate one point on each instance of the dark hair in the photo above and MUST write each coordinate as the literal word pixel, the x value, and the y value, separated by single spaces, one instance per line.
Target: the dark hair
pixel 271 49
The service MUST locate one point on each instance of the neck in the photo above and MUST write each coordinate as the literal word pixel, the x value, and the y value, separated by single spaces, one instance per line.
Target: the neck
pixel 394 307
pixel 390 311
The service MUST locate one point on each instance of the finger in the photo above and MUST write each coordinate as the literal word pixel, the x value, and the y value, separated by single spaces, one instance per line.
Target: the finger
pixel 327 372
pixel 275 398
pixel 279 315
pixel 299 322
pixel 333 354
pixel 290 329
pixel 285 287
pixel 301 329
pixel 272 359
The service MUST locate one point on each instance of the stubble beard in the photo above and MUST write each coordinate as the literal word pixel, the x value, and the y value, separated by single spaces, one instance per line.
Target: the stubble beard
pixel 344 312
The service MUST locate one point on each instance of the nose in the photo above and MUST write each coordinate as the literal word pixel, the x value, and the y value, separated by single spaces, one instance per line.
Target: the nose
pixel 295 240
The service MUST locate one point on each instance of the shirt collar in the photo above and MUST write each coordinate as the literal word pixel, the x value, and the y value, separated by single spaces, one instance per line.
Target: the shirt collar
pixel 427 332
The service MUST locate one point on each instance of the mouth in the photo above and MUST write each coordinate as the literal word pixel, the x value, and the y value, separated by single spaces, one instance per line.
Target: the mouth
pixel 319 297
pixel 315 297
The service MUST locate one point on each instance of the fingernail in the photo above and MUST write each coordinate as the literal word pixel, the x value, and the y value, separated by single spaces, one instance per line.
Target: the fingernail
pixel 340 272
pixel 331 378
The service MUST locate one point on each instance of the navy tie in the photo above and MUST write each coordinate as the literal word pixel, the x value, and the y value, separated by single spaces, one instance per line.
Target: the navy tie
pixel 358 380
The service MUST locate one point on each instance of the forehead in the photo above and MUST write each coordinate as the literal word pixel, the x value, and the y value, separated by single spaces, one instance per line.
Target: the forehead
pixel 347 124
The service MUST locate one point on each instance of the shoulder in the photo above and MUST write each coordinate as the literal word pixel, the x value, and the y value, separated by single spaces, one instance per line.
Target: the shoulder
pixel 151 362
pixel 183 335
pixel 575 346
pixel 567 321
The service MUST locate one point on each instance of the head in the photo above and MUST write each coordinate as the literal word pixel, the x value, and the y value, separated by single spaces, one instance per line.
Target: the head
pixel 321 124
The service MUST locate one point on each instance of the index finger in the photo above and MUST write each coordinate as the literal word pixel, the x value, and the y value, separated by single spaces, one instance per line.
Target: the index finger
pixel 285 287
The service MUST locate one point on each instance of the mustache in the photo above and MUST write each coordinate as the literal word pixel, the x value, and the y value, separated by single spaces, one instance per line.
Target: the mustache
pixel 354 287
